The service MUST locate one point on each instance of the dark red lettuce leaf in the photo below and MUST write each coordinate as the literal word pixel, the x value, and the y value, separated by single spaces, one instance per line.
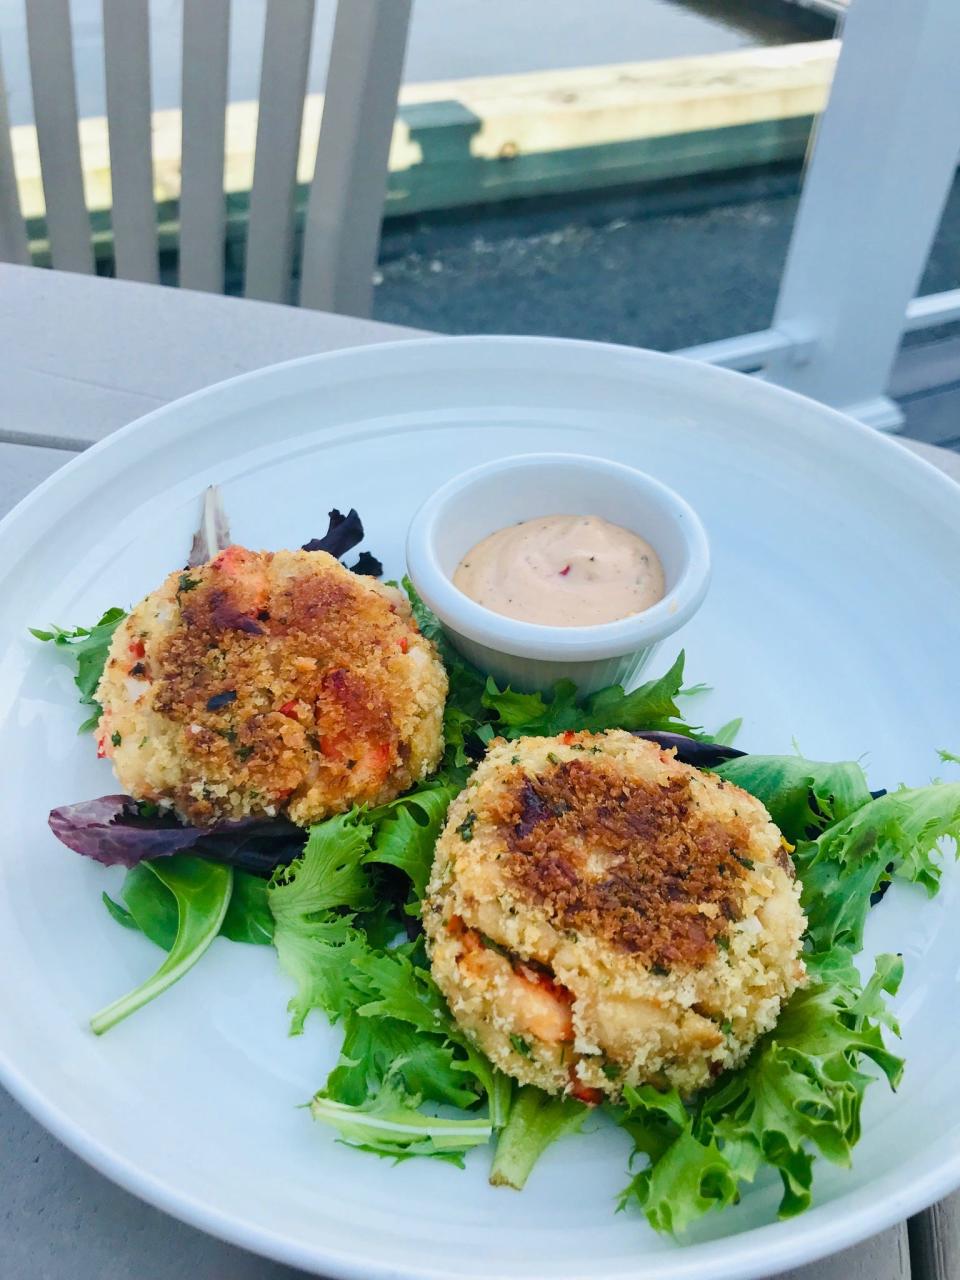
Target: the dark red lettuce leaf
pixel 702 755
pixel 367 566
pixel 116 831
pixel 213 535
pixel 343 534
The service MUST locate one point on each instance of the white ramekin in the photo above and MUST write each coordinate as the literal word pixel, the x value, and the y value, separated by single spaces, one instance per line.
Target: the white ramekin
pixel 527 655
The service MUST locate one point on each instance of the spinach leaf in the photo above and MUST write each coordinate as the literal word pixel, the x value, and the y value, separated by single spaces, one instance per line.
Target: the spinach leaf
pixel 248 917
pixel 202 893
pixel 151 907
pixel 786 785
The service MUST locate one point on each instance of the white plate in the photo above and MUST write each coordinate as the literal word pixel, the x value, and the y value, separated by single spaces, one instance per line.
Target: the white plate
pixel 833 619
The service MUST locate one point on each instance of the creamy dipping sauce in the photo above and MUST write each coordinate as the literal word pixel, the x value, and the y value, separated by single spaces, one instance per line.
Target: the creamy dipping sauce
pixel 562 571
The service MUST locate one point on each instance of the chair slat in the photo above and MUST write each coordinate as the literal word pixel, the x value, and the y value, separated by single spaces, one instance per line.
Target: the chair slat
pixel 13 233
pixel 349 182
pixel 126 51
pixel 49 41
pixel 283 84
pixel 206 40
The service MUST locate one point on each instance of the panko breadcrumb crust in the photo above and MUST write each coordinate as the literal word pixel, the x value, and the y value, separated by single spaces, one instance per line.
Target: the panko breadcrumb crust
pixel 600 914
pixel 270 682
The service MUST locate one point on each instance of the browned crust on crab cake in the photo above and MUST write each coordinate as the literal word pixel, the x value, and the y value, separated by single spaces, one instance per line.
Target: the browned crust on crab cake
pixel 270 682
pixel 600 913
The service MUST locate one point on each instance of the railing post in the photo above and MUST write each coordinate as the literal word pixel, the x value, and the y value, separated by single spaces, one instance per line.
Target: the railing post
pixel 884 159
pixel 13 233
pixel 345 208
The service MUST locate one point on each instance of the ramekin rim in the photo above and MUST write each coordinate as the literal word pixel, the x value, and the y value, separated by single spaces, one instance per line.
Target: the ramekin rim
pixel 536 640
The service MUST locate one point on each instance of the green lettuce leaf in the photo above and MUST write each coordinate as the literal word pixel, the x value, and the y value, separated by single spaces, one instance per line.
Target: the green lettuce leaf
pixel 407 831
pixel 896 835
pixel 390 1125
pixel 800 795
pixel 399 1036
pixel 800 1092
pixel 536 1121
pixel 88 647
pixel 425 1066
pixel 650 706
pixel 201 891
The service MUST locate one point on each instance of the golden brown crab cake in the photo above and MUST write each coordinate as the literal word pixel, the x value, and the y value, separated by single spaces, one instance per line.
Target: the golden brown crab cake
pixel 600 914
pixel 270 682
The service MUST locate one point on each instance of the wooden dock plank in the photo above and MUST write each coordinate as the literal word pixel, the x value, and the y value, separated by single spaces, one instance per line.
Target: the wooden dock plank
pixel 884 1257
pixel 935 1235
pixel 495 123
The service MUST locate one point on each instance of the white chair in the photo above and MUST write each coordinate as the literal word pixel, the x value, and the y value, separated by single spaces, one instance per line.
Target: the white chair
pixel 347 191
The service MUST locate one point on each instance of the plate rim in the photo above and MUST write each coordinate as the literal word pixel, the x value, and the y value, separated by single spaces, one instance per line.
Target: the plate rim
pixel 750 1254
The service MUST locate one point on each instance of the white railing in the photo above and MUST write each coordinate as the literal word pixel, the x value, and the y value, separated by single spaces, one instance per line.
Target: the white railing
pixel 885 155
pixel 886 151
pixel 349 181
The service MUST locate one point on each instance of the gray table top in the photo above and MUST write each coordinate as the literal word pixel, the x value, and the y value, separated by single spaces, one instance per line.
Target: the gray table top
pixel 78 358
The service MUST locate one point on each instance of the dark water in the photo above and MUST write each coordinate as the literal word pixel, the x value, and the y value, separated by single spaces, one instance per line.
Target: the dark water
pixel 449 39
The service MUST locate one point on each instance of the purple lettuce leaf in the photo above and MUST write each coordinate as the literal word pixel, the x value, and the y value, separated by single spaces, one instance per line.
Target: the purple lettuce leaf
pixel 344 532
pixel 116 831
pixel 367 566
pixel 703 755
pixel 213 535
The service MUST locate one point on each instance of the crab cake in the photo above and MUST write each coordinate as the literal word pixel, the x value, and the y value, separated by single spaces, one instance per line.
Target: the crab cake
pixel 600 914
pixel 270 682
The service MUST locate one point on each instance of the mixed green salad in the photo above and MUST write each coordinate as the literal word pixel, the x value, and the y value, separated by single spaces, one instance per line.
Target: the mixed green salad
pixel 340 906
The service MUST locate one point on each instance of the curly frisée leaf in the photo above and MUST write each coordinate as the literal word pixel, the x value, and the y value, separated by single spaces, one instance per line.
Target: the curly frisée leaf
pixel 407 831
pixel 328 874
pixel 375 1048
pixel 896 835
pixel 88 647
pixel 800 1091
pixel 650 706
pixel 803 1087
pixel 398 1031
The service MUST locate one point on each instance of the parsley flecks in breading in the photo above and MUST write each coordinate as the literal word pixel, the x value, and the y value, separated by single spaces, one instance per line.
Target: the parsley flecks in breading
pixel 465 829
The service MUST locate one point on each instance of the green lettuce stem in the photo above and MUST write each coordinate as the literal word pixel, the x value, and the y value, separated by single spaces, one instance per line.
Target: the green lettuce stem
pixel 536 1120
pixel 500 1099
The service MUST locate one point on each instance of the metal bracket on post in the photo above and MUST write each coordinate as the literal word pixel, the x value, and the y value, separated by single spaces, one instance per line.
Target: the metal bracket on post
pixel 884 159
